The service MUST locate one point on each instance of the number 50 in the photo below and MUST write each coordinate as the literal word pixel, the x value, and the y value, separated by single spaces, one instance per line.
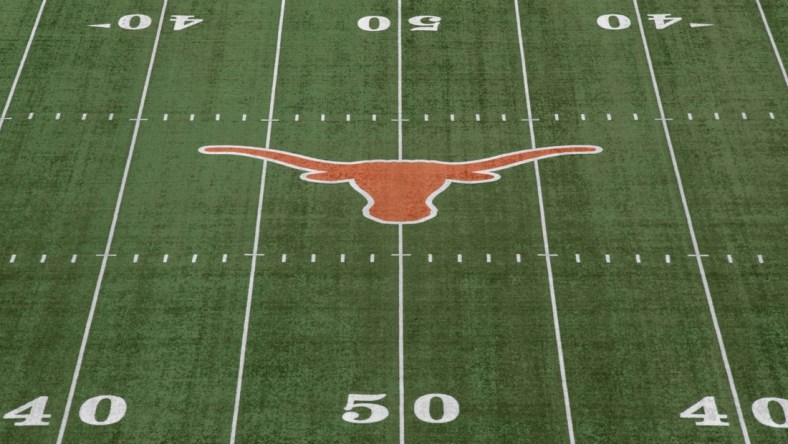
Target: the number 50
pixel 421 408
pixel 376 23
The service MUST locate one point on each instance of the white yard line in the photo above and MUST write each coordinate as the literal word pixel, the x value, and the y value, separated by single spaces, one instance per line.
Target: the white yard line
pixel 400 249
pixel 771 39
pixel 22 65
pixel 696 248
pixel 105 257
pixel 255 247
pixel 547 256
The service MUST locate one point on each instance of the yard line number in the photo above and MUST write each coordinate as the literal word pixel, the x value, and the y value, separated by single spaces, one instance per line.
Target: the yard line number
pixel 34 412
pixel 771 412
pixel 377 23
pixel 421 408
pixel 138 22
pixel 617 22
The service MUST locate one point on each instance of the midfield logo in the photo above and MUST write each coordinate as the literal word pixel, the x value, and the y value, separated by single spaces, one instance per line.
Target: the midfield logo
pixel 400 191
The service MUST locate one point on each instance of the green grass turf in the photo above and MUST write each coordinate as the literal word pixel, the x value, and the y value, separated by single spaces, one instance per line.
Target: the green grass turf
pixel 638 341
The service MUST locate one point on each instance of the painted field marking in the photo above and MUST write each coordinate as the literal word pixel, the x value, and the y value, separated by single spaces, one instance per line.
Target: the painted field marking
pixel 459 258
pixel 74 258
pixel 690 226
pixel 372 258
pixel 489 258
pixel 543 219
pixel 744 116
pixel 342 258
pixel 111 116
pixel 716 116
pixel 689 116
pixel 426 117
pixel 730 259
pixel 451 117
pixel 165 117
pixel 313 258
pixel 583 117
pixel 771 115
pixel 760 258
pixel 667 258
pixel 635 116
pixel 607 258
pixel 637 258
pixel 57 116
pixel 224 258
pixel 84 116
pixel 191 117
pixel 400 242
pixel 194 258
pixel 609 117
pixel 556 117
pixel 13 259
pixel 165 258
pixel 136 258
pixel 43 258
pixel 518 258
pixel 478 118
pixel 111 235
pixel 429 257
pixel 374 117
pixel 258 221
pixel 218 117
pixel 322 117
pixel 577 258
pixel 503 117
pixel 30 116
pixel 21 67
pixel 771 40
pixel 347 117
pixel 297 117
pixel 284 258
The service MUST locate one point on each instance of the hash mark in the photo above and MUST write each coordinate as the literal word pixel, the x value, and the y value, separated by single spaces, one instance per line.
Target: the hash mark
pixel 284 258
pixel 297 117
pixel 111 116
pixel 771 116
pixel 374 117
pixel 689 116
pixel 716 116
pixel 136 258
pixel 518 257
pixel 342 258
pixel 429 258
pixel 426 117
pixel 218 117
pixel 194 258
pixel 73 258
pixel 347 117
pixel 609 117
pixel 635 116
pixel 57 116
pixel 503 117
pixel 30 116
pixel 744 116
pixel 730 259
pixel 314 258
pixel 84 116
pixel 489 258
pixel 191 118
pixel 637 258
pixel 166 258
pixel 372 258
pixel 322 117
pixel 607 258
pixel 556 117
pixel 451 117
pixel 224 258
pixel 13 259
pixel 667 258
pixel 478 118
pixel 165 117
pixel 577 258
pixel 43 258
pixel 583 117
pixel 459 258
pixel 243 118
pixel 760 259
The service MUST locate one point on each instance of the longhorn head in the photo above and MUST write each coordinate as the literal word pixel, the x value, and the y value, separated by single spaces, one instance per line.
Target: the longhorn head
pixel 400 191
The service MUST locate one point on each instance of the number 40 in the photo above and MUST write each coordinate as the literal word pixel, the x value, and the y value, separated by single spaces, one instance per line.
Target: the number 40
pixel 707 414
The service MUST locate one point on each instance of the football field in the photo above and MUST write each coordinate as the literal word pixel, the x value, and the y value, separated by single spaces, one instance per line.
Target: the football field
pixel 393 221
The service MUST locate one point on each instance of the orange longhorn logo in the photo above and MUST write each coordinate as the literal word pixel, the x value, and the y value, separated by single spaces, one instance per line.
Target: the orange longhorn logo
pixel 400 191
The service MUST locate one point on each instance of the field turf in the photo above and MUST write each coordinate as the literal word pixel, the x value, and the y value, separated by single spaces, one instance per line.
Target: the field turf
pixel 150 293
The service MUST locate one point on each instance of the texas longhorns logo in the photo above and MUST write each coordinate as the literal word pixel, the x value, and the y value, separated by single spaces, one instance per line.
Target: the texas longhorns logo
pixel 400 191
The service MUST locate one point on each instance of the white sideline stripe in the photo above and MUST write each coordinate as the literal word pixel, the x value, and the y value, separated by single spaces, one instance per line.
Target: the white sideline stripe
pixel 771 40
pixel 547 257
pixel 687 215
pixel 255 247
pixel 111 235
pixel 400 240
pixel 21 67
pixel 607 258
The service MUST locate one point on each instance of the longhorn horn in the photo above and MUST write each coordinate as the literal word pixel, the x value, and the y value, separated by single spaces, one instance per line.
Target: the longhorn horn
pixel 297 161
pixel 520 157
